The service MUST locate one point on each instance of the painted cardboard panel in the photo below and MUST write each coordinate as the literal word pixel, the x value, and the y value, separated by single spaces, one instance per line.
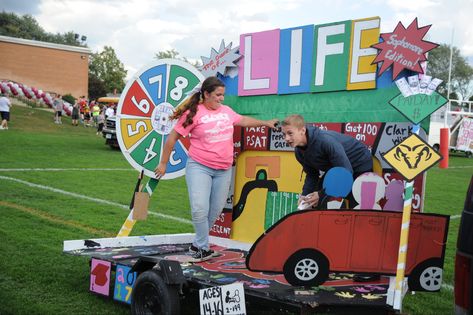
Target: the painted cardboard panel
pixel 181 81
pixel 404 48
pixel 295 54
pixel 250 202
pixel 154 81
pixel 391 135
pixel 136 102
pixel 256 138
pixel 258 68
pixel 328 126
pixel 338 243
pixel 417 194
pixel 361 71
pixel 331 56
pixel 277 142
pixel 278 205
pixel 417 107
pixel 100 276
pixel 124 283
pixel 412 157
pixel 133 130
pixel 465 135
pixel 368 190
pixel 363 132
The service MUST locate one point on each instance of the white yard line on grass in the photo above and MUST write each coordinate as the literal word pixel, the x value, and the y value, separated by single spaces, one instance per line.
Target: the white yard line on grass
pixel 67 193
pixel 62 169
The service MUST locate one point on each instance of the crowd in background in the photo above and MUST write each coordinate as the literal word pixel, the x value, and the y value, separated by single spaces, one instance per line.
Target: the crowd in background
pixel 88 113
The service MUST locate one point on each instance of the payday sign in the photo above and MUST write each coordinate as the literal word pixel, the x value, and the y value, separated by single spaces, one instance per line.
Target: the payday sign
pixel 419 106
pixel 312 58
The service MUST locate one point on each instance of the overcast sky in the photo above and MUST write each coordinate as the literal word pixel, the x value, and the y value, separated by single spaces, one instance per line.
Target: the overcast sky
pixel 138 29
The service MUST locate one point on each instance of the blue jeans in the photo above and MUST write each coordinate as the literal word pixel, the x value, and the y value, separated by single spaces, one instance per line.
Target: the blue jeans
pixel 208 191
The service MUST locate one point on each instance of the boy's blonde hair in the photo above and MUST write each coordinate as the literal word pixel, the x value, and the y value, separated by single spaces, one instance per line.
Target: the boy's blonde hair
pixel 294 120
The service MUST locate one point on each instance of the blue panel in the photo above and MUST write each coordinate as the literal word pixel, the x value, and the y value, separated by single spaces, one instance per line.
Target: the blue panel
pixel 178 157
pixel 285 59
pixel 231 84
pixel 155 81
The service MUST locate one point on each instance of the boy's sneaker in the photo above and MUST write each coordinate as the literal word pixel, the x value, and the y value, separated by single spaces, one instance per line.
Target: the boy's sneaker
pixel 202 255
pixel 193 249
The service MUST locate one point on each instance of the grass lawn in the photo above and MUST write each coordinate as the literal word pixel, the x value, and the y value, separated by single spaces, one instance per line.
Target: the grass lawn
pixel 40 209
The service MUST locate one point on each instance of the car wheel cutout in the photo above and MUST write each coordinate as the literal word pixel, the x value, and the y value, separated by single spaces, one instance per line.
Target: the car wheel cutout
pixel 427 276
pixel 306 267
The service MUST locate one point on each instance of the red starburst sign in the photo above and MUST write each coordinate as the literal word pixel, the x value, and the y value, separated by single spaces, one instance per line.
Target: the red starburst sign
pixel 403 48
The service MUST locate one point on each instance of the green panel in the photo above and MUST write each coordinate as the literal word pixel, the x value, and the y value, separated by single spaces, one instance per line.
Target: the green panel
pixel 181 81
pixel 147 153
pixel 419 106
pixel 278 205
pixel 336 66
pixel 342 106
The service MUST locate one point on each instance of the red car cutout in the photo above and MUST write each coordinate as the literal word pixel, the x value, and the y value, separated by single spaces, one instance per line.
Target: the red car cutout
pixel 307 245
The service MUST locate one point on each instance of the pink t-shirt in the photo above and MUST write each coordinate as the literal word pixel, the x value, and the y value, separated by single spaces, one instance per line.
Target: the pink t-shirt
pixel 211 135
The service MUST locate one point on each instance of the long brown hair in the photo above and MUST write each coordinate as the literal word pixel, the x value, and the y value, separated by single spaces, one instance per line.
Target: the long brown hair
pixel 209 85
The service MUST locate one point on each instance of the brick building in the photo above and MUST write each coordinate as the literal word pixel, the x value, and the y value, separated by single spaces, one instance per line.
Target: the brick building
pixel 53 68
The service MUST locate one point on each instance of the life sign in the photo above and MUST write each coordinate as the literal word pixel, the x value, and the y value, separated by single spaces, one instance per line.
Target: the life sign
pixel 328 57
pixel 412 157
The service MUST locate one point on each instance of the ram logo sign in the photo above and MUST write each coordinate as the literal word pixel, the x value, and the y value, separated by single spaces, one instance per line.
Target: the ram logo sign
pixel 412 157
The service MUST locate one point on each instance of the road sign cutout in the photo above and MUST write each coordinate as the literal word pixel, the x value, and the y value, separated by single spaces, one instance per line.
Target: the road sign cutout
pixel 412 157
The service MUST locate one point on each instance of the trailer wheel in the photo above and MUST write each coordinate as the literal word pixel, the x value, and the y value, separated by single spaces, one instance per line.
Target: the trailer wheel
pixel 306 267
pixel 152 296
pixel 426 276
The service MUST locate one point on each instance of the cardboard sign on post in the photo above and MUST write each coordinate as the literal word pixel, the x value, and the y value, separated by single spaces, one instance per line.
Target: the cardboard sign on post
pixel 140 209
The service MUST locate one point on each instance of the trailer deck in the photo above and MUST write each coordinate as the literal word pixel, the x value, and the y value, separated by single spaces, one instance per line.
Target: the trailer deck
pixel 263 291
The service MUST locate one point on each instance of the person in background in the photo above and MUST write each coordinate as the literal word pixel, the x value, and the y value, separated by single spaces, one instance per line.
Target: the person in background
pixel 95 112
pixel 75 114
pixel 100 121
pixel 58 104
pixel 109 111
pixel 209 124
pixel 82 103
pixel 86 116
pixel 5 105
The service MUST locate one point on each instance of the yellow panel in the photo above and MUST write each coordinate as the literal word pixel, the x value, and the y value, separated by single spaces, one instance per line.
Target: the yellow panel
pixel 134 129
pixel 250 224
pixel 412 157
pixel 368 37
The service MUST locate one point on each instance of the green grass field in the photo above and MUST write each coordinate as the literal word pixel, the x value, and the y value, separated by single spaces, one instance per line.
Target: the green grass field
pixel 50 192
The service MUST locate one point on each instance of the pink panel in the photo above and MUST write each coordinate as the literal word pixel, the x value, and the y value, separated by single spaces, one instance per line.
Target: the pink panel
pixel 264 61
pixel 100 276
pixel 368 194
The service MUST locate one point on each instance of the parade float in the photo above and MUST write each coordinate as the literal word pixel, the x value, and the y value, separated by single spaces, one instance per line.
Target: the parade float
pixel 343 76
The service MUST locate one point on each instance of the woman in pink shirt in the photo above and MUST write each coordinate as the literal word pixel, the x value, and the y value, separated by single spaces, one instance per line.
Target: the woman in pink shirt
pixel 209 124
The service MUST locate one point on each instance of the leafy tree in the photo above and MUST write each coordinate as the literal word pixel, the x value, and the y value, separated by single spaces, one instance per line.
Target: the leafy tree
pixel 27 27
pixel 174 54
pixel 106 67
pixel 96 87
pixel 462 72
pixel 69 98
